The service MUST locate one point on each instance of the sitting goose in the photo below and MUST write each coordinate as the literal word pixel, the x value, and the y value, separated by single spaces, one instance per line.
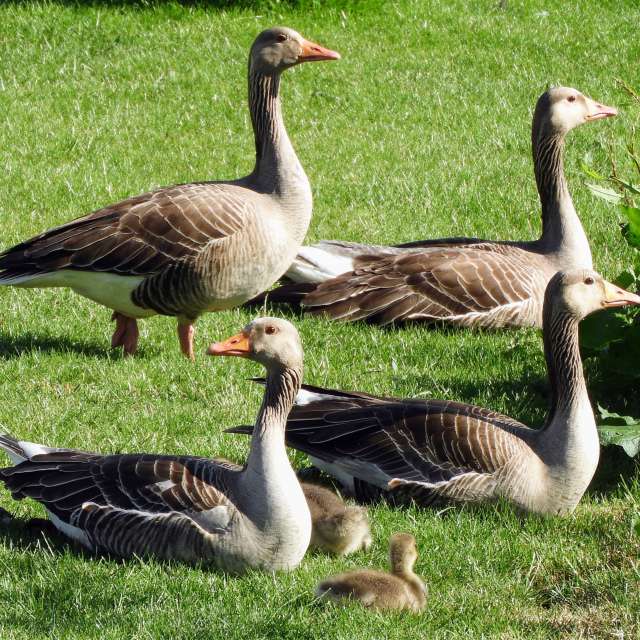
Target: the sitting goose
pixel 400 589
pixel 185 508
pixel 435 451
pixel 463 281
pixel 191 248
pixel 335 527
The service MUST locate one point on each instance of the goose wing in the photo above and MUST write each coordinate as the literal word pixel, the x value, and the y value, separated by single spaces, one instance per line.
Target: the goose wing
pixel 138 236
pixel 422 449
pixel 79 488
pixel 486 284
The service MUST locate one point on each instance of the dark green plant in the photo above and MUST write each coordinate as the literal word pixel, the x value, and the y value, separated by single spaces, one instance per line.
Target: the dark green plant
pixel 614 336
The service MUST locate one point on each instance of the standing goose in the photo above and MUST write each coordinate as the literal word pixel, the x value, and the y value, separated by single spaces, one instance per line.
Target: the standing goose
pixel 435 451
pixel 463 281
pixel 191 248
pixel 185 508
pixel 400 589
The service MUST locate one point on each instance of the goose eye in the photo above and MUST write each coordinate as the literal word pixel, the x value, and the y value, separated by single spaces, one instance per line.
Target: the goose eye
pixel 281 37
pixel 270 330
pixel 571 98
pixel 588 280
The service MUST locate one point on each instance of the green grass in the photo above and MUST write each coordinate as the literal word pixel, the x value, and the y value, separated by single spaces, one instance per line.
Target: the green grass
pixel 421 130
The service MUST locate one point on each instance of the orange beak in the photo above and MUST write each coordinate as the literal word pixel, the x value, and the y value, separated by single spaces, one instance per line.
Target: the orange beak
pixel 311 52
pixel 237 345
pixel 617 297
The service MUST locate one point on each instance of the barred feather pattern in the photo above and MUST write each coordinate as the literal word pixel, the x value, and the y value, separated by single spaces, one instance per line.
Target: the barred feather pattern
pixel 434 451
pixel 431 443
pixel 132 504
pixel 184 508
pixel 196 247
pixel 459 281
pixel 483 285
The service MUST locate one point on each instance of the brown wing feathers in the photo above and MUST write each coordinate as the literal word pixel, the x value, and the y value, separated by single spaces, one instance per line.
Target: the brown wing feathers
pixel 483 284
pixel 422 443
pixel 64 481
pixel 435 284
pixel 137 236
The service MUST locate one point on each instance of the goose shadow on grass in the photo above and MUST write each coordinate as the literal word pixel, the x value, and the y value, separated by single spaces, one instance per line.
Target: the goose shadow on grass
pixel 36 534
pixel 14 346
pixel 33 534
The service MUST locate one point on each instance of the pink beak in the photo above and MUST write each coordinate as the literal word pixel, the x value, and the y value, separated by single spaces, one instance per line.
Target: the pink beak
pixel 601 111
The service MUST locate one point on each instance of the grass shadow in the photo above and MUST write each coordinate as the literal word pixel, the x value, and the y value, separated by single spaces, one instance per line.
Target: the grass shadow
pixel 15 346
pixel 32 535
pixel 615 469
pixel 12 347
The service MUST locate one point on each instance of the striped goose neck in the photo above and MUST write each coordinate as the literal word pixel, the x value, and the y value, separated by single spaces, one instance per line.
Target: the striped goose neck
pixel 276 160
pixel 564 366
pixel 562 232
pixel 548 162
pixel 281 389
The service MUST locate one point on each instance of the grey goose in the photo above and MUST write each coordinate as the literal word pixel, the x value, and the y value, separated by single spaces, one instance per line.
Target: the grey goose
pixel 397 590
pixel 185 508
pixel 438 451
pixel 460 281
pixel 191 248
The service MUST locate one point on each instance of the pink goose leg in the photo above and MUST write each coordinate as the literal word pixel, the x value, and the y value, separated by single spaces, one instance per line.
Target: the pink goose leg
pixel 185 335
pixel 126 334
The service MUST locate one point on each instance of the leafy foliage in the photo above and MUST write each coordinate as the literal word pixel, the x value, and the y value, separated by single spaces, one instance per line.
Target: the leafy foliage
pixel 621 430
pixel 614 336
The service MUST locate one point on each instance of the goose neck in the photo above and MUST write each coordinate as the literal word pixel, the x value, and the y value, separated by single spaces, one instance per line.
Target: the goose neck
pixel 267 443
pixel 562 234
pixel 277 166
pixel 570 410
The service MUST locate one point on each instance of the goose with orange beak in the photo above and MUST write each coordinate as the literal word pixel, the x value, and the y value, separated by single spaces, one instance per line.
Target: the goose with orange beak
pixel 434 452
pixel 185 508
pixel 192 248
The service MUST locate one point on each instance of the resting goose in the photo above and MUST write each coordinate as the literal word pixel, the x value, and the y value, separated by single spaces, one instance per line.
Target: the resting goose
pixel 335 527
pixel 191 248
pixel 434 451
pixel 185 508
pixel 463 281
pixel 400 589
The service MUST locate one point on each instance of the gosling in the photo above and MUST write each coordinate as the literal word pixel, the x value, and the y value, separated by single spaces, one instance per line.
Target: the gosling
pixel 400 589
pixel 336 527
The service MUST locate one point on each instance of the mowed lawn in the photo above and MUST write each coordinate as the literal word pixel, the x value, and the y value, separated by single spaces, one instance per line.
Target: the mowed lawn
pixel 421 130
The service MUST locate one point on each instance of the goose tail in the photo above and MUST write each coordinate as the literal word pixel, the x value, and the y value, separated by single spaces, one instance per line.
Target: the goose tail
pixel 323 261
pixel 13 448
pixel 21 450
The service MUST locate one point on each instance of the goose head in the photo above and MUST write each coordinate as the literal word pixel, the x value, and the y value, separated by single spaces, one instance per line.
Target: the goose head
pixel 561 109
pixel 403 552
pixel 273 342
pixel 581 292
pixel 279 48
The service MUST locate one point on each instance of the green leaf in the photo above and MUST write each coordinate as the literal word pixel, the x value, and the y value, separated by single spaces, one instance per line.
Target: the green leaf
pixel 628 186
pixel 631 230
pixel 599 330
pixel 628 278
pixel 591 172
pixel 605 193
pixel 611 418
pixel 623 431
